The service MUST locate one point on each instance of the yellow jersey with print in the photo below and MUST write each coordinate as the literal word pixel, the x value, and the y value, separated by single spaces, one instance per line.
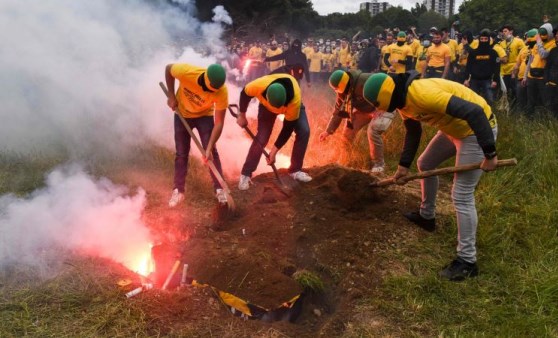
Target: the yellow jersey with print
pixel 193 101
pixel 421 58
pixel 437 55
pixel 315 65
pixel 258 87
pixel 512 50
pixel 522 59
pixel 308 51
pixel 452 44
pixel 415 45
pixel 427 101
pixel 273 65
pixel 399 53
pixel 536 70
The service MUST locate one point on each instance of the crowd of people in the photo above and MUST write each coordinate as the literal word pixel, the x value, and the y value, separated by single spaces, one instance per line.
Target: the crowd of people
pixel 491 62
pixel 428 79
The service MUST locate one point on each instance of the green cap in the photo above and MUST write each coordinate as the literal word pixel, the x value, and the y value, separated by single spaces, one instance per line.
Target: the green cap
pixel 276 95
pixel 378 90
pixel 215 76
pixel 543 31
pixel 401 35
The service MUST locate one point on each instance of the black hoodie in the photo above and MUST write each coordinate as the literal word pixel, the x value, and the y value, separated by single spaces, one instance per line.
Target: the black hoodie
pixel 293 56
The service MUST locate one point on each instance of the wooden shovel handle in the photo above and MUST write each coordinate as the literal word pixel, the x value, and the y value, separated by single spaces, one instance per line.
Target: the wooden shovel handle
pixel 441 171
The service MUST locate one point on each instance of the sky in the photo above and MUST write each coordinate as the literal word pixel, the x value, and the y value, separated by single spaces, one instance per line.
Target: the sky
pixel 324 7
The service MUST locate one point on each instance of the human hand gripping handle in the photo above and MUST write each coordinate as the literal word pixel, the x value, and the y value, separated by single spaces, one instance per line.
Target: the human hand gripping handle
pixel 241 120
pixel 272 154
pixel 489 164
pixel 400 174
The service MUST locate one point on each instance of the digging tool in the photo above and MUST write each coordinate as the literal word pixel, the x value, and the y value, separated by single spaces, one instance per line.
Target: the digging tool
pixel 441 171
pixel 230 202
pixel 284 189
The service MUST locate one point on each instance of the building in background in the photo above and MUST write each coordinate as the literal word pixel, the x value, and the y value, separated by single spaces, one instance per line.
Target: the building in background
pixel 374 7
pixel 444 7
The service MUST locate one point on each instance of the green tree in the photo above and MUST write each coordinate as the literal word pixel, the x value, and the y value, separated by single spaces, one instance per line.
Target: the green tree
pixel 431 19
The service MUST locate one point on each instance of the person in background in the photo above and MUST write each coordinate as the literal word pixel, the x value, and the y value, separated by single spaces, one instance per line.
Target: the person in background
pixel 512 46
pixel 201 99
pixel 278 94
pixel 467 130
pixel 438 57
pixel 350 104
pixel 315 66
pixel 521 66
pixel 551 77
pixel 399 56
pixel 273 50
pixel 483 69
pixel 294 58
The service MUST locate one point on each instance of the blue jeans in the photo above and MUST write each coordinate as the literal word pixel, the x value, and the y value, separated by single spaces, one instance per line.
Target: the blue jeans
pixel 182 138
pixel 482 87
pixel 266 120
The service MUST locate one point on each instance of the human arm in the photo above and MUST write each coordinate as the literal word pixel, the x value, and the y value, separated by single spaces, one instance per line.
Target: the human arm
pixel 216 132
pixel 423 73
pixel 169 79
pixel 477 120
pixel 336 117
pixel 242 107
pixel 413 132
pixel 447 61
pixel 277 57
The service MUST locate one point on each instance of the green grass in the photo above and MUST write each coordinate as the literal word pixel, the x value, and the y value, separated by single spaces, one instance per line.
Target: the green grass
pixel 516 293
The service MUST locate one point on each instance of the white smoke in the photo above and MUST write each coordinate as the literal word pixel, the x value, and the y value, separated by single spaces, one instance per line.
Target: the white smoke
pixel 75 212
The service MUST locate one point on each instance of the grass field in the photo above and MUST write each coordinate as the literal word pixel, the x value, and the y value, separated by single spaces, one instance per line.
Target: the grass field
pixel 516 293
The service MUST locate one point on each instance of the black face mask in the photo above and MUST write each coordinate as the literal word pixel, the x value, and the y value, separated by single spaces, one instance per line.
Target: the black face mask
pixel 531 44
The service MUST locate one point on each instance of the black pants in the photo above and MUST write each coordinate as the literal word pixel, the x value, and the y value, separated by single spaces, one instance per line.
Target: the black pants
pixel 536 95
pixel 434 72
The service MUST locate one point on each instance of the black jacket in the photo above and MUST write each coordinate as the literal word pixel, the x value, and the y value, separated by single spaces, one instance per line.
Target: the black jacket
pixel 292 58
pixel 551 68
pixel 483 64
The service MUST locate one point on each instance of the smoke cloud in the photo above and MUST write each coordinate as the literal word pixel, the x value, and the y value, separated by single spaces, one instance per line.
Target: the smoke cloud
pixel 75 212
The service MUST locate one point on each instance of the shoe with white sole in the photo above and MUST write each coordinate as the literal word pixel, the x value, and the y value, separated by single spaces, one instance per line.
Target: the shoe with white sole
pixel 244 182
pixel 176 198
pixel 221 196
pixel 301 176
pixel 377 169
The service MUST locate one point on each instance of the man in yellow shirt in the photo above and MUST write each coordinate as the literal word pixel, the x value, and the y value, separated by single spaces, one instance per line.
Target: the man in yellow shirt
pixel 438 58
pixel 255 54
pixel 452 44
pixel 272 51
pixel 315 66
pixel 536 89
pixel 383 51
pixel 467 130
pixel 278 94
pixel 520 66
pixel 201 99
pixel 414 43
pixel 512 46
pixel 399 56
pixel 344 55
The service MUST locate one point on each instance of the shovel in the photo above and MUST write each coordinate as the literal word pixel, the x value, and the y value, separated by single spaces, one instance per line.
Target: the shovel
pixel 441 171
pixel 230 202
pixel 284 189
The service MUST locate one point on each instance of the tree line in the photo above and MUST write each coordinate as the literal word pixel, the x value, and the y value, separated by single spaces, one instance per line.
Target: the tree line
pixel 254 19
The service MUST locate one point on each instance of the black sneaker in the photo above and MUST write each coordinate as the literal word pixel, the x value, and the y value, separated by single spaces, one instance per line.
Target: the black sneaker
pixel 458 270
pixel 426 224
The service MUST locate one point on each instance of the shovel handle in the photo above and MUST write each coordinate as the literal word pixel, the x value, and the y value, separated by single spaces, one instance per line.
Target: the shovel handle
pixel 230 201
pixel 441 171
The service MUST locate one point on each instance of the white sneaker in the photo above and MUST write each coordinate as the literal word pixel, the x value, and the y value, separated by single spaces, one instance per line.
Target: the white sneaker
pixel 244 182
pixel 221 196
pixel 301 176
pixel 377 169
pixel 176 198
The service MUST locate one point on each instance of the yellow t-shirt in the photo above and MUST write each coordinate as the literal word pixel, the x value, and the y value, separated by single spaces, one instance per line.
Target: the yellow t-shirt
pixel 344 56
pixel 462 54
pixel 512 50
pixel 308 51
pixel 257 88
pixel 437 55
pixel 383 51
pixel 421 59
pixel 315 65
pixel 522 59
pixel 415 45
pixel 397 53
pixel 539 62
pixel 328 62
pixel 452 44
pixel 274 64
pixel 193 101
pixel 427 101
pixel 255 53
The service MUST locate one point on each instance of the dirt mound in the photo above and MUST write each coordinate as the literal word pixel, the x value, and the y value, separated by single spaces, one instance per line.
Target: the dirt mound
pixel 334 227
